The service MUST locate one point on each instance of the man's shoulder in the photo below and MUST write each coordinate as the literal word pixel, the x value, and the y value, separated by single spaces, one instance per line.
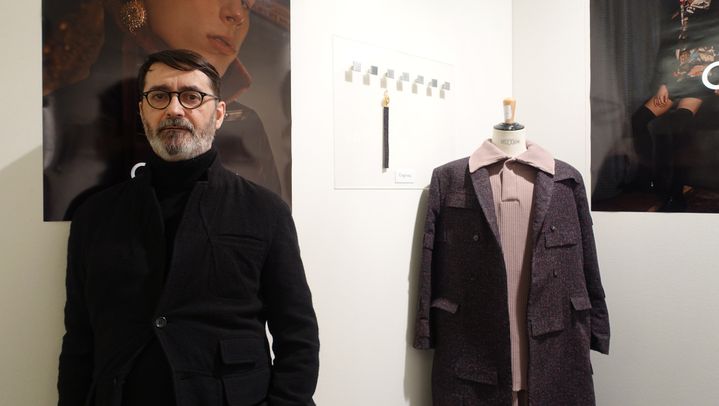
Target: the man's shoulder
pixel 249 191
pixel 101 200
pixel 565 171
pixel 458 165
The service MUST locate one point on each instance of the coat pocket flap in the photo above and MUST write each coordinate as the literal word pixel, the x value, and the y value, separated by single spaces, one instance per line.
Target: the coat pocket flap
pixel 546 326
pixel 244 241
pixel 476 373
pixel 244 350
pixel 445 304
pixel 581 302
pixel 558 236
pixel 428 240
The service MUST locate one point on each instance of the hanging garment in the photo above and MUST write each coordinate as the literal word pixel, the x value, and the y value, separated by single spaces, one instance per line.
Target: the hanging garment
pixel 463 294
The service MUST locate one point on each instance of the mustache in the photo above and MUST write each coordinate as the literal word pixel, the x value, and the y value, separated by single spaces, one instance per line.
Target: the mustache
pixel 174 123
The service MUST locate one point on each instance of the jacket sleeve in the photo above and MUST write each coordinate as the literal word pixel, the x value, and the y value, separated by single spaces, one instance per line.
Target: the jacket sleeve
pixel 291 319
pixel 423 336
pixel 76 355
pixel 599 314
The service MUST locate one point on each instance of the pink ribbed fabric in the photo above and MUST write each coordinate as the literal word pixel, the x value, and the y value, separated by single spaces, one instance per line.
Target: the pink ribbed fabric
pixel 512 181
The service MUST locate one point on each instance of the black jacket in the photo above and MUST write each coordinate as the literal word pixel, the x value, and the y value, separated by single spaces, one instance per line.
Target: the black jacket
pixel 236 266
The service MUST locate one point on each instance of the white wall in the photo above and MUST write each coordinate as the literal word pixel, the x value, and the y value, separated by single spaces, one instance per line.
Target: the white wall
pixel 360 247
pixel 659 270
pixel 32 254
pixel 357 245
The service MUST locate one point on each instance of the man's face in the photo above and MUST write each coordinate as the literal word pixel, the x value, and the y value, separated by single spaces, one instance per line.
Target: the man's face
pixel 177 133
pixel 213 28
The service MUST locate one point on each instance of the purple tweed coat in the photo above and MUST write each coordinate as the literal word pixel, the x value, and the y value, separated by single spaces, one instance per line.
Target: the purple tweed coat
pixel 463 311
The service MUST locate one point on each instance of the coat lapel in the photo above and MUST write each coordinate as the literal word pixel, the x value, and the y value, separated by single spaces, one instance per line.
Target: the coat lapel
pixel 483 190
pixel 211 199
pixel 147 222
pixel 543 188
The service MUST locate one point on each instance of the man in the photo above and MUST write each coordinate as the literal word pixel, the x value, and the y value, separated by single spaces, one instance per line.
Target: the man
pixel 173 275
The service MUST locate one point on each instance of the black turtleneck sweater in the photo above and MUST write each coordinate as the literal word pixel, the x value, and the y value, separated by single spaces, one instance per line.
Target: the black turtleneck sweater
pixel 149 382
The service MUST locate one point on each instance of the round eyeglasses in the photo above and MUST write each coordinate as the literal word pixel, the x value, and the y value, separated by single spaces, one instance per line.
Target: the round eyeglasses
pixel 189 99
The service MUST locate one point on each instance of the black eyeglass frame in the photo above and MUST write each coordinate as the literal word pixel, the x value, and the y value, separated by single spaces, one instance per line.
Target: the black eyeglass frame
pixel 179 98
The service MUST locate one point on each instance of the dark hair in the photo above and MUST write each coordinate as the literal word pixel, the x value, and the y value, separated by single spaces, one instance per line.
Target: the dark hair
pixel 180 59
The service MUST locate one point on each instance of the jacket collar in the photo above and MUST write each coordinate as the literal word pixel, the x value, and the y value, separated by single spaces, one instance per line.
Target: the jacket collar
pixel 214 173
pixel 535 156
pixel 148 216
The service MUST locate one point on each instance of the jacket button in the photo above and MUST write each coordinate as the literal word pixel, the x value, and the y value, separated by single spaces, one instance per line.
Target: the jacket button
pixel 475 237
pixel 554 272
pixel 161 322
pixel 553 228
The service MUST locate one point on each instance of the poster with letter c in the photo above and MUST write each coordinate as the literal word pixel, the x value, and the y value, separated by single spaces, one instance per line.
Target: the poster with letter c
pixel 92 132
pixel 655 105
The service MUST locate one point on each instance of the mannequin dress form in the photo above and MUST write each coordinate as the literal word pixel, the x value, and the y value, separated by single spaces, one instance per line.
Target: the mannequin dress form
pixel 510 136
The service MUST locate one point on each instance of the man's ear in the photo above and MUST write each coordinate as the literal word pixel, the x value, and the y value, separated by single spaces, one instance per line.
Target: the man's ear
pixel 220 114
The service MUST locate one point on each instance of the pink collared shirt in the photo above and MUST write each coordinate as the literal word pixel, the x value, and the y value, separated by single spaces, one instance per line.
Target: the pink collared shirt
pixel 512 181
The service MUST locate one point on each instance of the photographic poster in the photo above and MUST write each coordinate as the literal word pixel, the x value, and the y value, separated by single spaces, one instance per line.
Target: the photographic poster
pixel 655 105
pixel 92 49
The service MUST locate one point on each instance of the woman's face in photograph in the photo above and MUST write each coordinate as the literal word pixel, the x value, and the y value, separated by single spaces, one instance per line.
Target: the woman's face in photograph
pixel 215 28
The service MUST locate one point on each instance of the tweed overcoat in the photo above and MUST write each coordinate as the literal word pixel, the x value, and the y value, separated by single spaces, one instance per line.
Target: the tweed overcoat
pixel 235 268
pixel 463 312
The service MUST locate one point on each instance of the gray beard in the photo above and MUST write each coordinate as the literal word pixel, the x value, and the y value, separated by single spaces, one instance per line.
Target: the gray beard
pixel 180 144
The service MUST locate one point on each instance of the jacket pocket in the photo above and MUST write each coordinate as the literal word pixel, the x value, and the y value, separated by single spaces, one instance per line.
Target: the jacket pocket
pixel 580 303
pixel 444 304
pixel 560 236
pixel 246 371
pixel 244 352
pixel 470 371
pixel 546 325
pixel 238 264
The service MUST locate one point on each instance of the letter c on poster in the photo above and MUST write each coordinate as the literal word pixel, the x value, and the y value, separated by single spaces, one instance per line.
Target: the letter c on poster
pixel 705 76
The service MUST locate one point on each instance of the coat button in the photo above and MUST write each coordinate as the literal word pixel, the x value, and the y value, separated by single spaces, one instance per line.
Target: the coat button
pixel 475 237
pixel 553 228
pixel 161 322
pixel 554 272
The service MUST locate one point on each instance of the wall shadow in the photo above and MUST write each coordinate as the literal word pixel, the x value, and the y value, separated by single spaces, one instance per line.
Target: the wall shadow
pixel 32 288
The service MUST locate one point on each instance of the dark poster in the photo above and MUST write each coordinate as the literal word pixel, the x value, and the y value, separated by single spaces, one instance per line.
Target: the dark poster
pixel 92 132
pixel 655 110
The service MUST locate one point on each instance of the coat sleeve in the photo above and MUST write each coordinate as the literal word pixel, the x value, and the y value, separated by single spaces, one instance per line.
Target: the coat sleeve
pixel 291 319
pixel 423 336
pixel 599 314
pixel 76 355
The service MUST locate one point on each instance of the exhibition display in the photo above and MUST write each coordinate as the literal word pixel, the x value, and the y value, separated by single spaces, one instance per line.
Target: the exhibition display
pixel 510 295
